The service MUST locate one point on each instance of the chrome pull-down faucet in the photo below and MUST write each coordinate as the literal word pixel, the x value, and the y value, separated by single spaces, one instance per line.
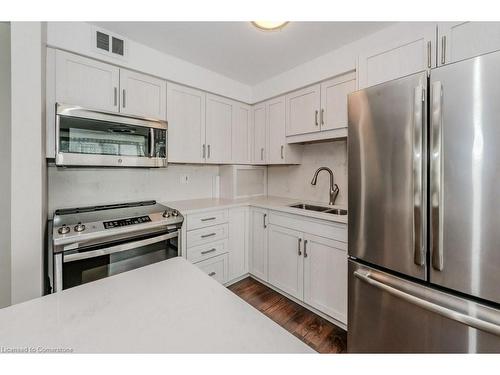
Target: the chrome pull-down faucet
pixel 334 189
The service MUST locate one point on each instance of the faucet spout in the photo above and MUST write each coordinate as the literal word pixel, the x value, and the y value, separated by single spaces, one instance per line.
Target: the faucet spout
pixel 334 189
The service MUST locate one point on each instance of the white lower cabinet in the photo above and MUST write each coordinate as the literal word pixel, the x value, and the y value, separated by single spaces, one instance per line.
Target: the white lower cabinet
pixel 238 240
pixel 258 243
pixel 285 260
pixel 305 258
pixel 325 276
pixel 215 267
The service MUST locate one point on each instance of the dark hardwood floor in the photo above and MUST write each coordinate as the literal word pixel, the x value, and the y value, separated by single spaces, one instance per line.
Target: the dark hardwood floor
pixel 318 333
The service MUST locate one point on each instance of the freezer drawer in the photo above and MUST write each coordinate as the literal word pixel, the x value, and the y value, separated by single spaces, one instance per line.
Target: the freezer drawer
pixel 387 314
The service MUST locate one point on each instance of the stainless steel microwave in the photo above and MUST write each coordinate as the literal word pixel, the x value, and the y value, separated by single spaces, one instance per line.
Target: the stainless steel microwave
pixel 87 137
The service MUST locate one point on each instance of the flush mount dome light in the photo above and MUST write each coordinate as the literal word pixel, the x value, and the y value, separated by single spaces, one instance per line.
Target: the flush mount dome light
pixel 269 25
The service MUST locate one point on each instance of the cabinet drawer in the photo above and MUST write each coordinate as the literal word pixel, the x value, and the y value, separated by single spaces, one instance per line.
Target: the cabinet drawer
pixel 198 253
pixel 206 219
pixel 317 227
pixel 215 267
pixel 206 235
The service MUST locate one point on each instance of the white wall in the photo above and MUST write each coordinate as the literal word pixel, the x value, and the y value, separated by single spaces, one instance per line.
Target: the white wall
pixel 89 186
pixel 5 161
pixel 295 181
pixel 28 190
pixel 77 37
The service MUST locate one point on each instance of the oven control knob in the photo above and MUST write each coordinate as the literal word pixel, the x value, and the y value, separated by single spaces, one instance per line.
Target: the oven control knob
pixel 79 227
pixel 166 214
pixel 175 213
pixel 64 229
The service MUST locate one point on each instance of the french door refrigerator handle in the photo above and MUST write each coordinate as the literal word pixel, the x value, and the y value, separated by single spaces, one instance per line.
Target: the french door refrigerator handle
pixel 468 320
pixel 418 201
pixel 436 224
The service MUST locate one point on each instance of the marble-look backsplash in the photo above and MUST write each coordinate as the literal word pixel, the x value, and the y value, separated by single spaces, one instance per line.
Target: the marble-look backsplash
pixel 294 181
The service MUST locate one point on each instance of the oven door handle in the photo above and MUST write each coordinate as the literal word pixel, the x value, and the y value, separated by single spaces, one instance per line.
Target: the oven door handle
pixel 118 248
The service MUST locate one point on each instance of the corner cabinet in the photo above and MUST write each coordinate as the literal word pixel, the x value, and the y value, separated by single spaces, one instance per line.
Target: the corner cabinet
pixel 258 243
pixel 241 134
pixel 260 134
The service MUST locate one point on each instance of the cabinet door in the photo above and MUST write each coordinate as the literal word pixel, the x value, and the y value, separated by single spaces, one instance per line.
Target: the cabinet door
pixel 142 95
pixel 259 134
pixel 186 124
pixel 325 276
pixel 258 241
pixel 241 134
pixel 398 51
pixel 285 260
pixel 302 111
pixel 462 40
pixel 334 101
pixel 87 83
pixel 276 125
pixel 237 248
pixel 219 120
pixel 215 267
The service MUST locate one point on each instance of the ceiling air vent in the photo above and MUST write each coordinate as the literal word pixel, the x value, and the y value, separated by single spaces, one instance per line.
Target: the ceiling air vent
pixel 102 41
pixel 117 46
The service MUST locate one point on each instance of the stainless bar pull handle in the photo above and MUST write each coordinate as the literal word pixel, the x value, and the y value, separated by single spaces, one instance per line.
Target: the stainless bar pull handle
pixel 118 248
pixel 443 49
pixel 299 240
pixel 316 117
pixel 305 248
pixel 208 218
pixel 429 54
pixel 262 153
pixel 322 117
pixel 211 274
pixel 123 98
pixel 418 198
pixel 435 176
pixel 208 251
pixel 264 218
pixel 151 142
pixel 115 93
pixel 282 156
pixel 204 153
pixel 208 153
pixel 208 235
pixel 430 306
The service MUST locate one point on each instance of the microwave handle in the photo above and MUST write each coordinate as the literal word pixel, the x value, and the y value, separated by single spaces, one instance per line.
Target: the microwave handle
pixel 118 248
pixel 151 142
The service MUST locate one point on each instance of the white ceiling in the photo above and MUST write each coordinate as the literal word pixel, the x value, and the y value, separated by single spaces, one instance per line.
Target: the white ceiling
pixel 240 51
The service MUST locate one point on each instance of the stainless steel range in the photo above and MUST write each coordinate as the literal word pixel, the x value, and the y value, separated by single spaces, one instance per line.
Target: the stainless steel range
pixel 90 243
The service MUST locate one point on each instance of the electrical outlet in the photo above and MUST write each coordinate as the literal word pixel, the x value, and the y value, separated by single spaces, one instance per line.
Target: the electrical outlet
pixel 184 179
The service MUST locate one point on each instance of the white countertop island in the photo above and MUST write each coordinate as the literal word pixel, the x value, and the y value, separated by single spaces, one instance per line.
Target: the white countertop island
pixel 167 307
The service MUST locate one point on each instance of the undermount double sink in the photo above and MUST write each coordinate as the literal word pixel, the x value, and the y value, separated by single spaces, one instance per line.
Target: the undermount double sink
pixel 326 210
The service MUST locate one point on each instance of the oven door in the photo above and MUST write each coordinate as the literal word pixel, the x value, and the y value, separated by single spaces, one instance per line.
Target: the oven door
pixel 92 138
pixel 76 267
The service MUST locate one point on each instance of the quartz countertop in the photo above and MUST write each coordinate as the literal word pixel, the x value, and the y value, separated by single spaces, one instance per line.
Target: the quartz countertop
pixel 166 307
pixel 267 202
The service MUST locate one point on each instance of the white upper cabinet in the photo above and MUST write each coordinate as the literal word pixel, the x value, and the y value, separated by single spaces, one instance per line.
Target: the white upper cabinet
pixel 260 134
pixel 279 151
pixel 397 51
pixel 302 111
pixel 142 95
pixel 219 120
pixel 462 40
pixel 186 124
pixel 85 82
pixel 334 101
pixel 325 275
pixel 285 260
pixel 242 134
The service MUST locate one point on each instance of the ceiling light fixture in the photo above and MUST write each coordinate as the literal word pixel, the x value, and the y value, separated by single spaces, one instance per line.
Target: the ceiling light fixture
pixel 269 25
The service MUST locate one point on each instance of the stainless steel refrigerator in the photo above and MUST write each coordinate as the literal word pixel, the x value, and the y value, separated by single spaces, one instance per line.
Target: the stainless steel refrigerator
pixel 424 211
